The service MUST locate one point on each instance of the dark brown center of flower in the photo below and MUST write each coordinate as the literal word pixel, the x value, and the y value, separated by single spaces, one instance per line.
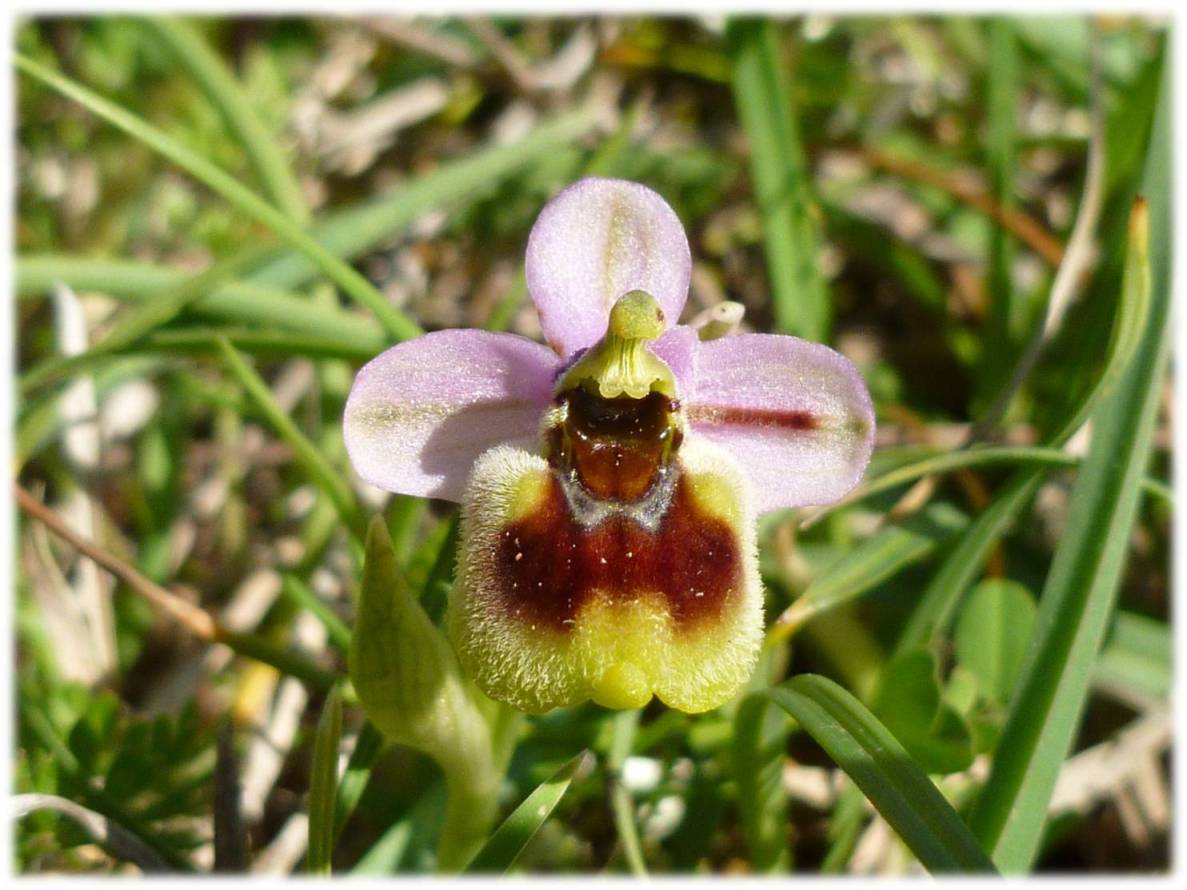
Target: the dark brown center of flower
pixel 615 448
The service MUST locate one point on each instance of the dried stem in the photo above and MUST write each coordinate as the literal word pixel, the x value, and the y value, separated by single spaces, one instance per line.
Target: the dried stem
pixel 1019 224
pixel 198 621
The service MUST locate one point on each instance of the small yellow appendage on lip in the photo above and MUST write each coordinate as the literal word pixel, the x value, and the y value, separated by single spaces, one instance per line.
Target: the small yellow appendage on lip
pixel 622 686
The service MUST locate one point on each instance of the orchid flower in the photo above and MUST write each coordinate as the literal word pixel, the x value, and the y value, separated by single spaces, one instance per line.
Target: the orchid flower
pixel 609 481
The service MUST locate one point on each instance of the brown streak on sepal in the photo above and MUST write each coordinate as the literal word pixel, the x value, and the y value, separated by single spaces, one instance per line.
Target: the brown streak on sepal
pixel 722 415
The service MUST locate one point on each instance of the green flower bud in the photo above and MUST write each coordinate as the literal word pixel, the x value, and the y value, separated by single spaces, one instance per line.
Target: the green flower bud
pixel 410 685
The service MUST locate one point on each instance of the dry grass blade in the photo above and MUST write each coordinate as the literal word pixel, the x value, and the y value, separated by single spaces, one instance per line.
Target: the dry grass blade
pixel 198 621
pixel 120 842
pixel 1022 226
pixel 412 35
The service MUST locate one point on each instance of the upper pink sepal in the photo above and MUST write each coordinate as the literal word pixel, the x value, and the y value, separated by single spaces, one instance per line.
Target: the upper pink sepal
pixel 421 413
pixel 796 415
pixel 595 241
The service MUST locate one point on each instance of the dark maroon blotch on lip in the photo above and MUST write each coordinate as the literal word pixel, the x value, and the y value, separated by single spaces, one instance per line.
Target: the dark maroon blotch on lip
pixel 549 566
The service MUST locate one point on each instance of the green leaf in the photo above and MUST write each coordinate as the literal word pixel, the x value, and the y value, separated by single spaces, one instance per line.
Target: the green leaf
pixel 323 786
pixel 870 563
pixel 400 663
pixel 991 635
pixel 872 757
pixel 910 704
pixel 151 778
pixel 961 690
pixel 499 853
pixel 1080 593
pixel 782 179
pixel 1138 655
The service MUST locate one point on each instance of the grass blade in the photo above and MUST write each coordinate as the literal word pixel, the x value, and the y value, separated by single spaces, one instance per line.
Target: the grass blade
pixel 870 563
pixel 1138 655
pixel 236 302
pixel 257 342
pixel 323 786
pixel 781 180
pixel 225 94
pixel 267 298
pixel 989 455
pixel 937 604
pixel 139 322
pixel 503 847
pixel 227 186
pixel 1008 318
pixel 759 755
pixel 298 591
pixel 939 600
pixel 307 454
pixel 367 747
pixel 878 764
pixel 1080 592
pixel 625 724
pixel 405 843
pixel 42 421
